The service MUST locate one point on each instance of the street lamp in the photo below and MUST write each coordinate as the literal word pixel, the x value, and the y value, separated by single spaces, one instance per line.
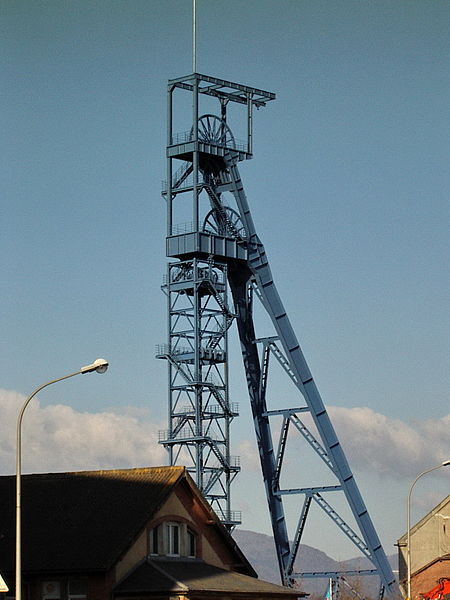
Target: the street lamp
pixel 100 365
pixel 446 463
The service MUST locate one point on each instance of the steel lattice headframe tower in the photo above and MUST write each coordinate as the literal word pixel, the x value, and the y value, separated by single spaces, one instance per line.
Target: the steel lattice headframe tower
pixel 217 249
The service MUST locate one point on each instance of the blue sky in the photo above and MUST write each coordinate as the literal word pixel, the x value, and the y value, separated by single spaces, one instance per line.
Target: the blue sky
pixel 348 188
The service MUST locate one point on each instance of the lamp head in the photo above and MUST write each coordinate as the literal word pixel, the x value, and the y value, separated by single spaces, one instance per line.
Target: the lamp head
pixel 446 463
pixel 100 365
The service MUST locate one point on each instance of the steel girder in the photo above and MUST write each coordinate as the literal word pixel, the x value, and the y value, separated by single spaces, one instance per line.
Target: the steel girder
pixel 259 277
pixel 225 233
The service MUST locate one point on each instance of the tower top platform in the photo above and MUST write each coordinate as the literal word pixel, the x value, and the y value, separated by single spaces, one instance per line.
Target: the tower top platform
pixel 222 89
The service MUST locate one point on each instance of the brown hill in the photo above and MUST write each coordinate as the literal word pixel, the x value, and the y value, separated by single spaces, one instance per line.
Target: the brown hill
pixel 260 551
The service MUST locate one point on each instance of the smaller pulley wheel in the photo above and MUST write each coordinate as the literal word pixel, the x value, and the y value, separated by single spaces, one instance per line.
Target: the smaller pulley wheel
pixel 227 222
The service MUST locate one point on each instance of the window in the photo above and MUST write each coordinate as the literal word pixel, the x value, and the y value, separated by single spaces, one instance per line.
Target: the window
pixel 154 540
pixel 56 590
pixel 51 590
pixel 173 539
pixel 191 549
pixel 76 589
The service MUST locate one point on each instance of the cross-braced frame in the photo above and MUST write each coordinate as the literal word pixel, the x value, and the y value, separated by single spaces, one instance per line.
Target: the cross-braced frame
pixel 220 238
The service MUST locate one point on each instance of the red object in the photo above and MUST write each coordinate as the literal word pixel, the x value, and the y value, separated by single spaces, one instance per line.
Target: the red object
pixel 440 592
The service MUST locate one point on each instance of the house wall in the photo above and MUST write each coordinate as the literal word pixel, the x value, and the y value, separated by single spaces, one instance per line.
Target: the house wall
pixel 185 505
pixel 429 541
pixel 182 505
pixel 97 586
pixel 212 548
pixel 135 554
pixel 139 550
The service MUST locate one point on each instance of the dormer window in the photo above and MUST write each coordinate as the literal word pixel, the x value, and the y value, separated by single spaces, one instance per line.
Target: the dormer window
pixel 191 545
pixel 172 538
pixel 154 540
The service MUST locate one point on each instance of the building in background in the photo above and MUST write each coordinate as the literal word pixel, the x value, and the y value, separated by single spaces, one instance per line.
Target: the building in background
pixel 430 551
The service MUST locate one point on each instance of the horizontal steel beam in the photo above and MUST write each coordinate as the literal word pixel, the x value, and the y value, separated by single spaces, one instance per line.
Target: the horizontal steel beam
pixel 309 490
pixel 285 412
pixel 335 573
pixel 218 87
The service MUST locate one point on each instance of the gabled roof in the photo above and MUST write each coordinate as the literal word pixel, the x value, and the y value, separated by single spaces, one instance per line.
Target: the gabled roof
pixel 193 575
pixel 82 521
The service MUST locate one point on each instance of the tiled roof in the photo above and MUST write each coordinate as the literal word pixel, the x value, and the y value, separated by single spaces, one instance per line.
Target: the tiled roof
pixel 165 575
pixel 80 521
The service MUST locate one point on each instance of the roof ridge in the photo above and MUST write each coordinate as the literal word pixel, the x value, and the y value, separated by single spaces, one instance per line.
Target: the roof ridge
pixel 429 515
pixel 102 472
pixel 107 472
pixel 168 575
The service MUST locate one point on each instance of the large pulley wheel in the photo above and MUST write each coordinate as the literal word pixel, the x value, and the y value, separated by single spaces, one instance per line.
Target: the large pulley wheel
pixel 229 223
pixel 213 130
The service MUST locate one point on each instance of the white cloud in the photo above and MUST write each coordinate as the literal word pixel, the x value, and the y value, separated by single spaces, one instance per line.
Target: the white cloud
pixel 373 442
pixel 58 438
pixel 248 452
pixel 390 447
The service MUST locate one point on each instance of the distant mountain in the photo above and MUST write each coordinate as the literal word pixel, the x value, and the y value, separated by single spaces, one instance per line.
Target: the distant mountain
pixel 260 551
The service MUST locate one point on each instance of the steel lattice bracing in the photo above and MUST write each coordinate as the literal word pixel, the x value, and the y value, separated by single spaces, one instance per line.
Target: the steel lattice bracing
pixel 221 235
pixel 200 412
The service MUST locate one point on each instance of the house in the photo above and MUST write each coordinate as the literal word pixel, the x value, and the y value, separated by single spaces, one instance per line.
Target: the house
pixel 128 534
pixel 430 551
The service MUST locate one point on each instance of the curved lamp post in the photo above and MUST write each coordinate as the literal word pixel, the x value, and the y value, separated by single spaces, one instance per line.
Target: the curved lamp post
pixel 100 365
pixel 446 463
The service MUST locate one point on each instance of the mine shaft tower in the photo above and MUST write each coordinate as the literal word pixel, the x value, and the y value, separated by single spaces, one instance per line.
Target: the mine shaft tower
pixel 216 252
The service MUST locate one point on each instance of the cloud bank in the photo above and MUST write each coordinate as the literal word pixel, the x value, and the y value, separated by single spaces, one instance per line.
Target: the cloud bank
pixel 391 447
pixel 58 438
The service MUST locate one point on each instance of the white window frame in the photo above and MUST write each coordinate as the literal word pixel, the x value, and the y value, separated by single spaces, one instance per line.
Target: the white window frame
pixel 191 540
pixel 156 532
pixel 171 528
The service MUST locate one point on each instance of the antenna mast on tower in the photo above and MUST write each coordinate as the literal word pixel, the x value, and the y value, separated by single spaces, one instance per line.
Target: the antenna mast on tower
pixel 194 36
